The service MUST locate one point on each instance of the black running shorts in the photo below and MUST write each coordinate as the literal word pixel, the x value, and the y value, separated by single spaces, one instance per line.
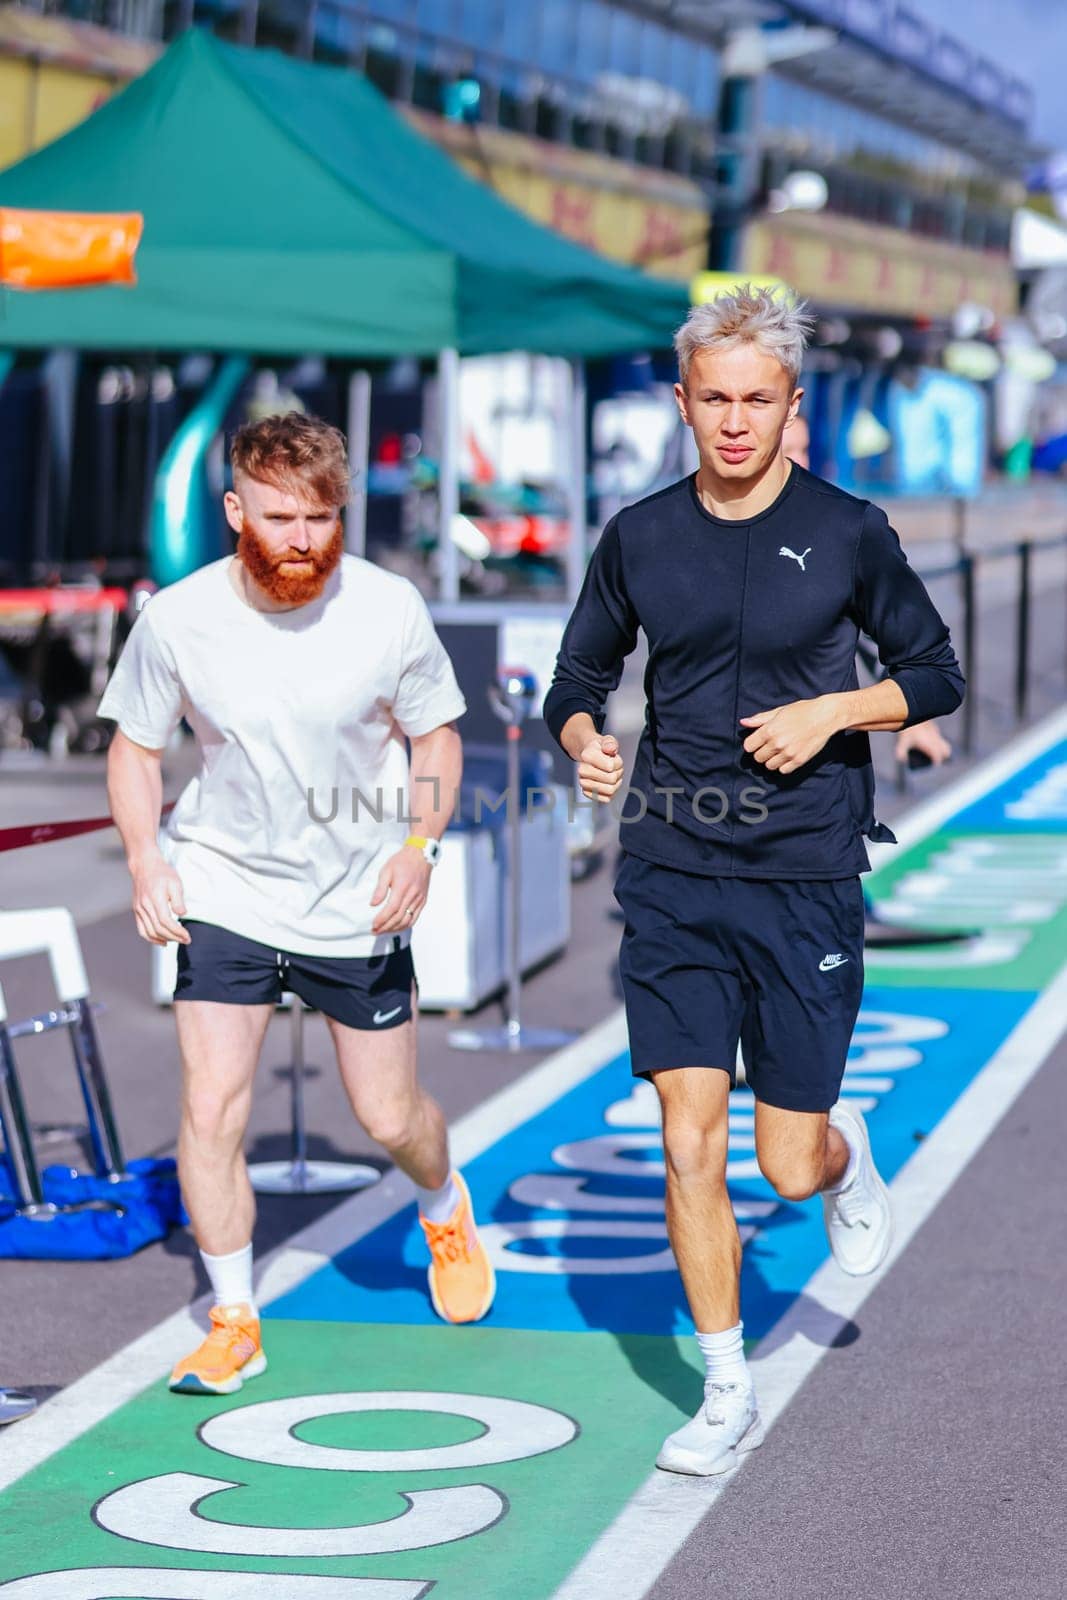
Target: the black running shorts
pixel 372 992
pixel 706 962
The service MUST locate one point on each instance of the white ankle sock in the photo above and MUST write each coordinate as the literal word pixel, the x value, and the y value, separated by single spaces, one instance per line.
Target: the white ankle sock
pixel 437 1205
pixel 231 1277
pixel 853 1162
pixel 724 1357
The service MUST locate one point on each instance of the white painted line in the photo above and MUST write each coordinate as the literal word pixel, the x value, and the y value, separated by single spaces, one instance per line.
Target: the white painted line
pixel 929 814
pixel 652 1527
pixel 147 1359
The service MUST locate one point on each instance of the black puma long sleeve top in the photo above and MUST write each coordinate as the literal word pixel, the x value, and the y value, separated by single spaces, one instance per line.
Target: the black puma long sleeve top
pixel 741 617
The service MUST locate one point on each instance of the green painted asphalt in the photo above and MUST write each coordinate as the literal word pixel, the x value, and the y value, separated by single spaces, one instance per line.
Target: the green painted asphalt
pixel 624 1393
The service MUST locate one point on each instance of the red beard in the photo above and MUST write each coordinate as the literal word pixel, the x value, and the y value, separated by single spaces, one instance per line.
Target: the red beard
pixel 287 584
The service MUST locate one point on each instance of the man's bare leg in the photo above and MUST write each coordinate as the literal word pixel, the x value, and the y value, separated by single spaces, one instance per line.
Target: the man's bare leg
pixel 379 1073
pixel 703 1234
pixel 811 1152
pixel 798 1152
pixel 700 1218
pixel 378 1070
pixel 220 1047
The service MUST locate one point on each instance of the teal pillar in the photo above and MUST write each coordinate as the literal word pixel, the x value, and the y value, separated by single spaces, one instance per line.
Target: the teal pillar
pixel 184 528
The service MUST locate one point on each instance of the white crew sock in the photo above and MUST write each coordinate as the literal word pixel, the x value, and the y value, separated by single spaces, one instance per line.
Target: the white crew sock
pixel 724 1357
pixel 437 1205
pixel 853 1163
pixel 231 1277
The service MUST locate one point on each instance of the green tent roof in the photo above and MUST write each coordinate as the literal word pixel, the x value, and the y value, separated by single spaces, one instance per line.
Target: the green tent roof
pixel 289 209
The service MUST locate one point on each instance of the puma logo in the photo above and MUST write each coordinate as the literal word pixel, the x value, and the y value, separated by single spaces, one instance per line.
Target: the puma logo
pixel 785 551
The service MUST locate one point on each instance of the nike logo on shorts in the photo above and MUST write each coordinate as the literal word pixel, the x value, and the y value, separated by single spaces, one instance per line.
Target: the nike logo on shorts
pixel 386 1016
pixel 828 963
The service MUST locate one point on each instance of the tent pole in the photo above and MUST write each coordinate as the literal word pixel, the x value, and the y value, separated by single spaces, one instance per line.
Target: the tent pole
pixel 448 470
pixel 358 430
pixel 576 475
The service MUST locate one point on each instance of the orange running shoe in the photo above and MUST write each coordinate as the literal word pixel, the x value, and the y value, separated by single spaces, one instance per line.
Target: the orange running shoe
pixel 462 1280
pixel 230 1354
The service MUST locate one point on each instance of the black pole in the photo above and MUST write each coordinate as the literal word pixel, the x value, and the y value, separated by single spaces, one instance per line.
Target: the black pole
pixel 959 522
pixel 16 1134
pixel 970 660
pixel 733 193
pixel 248 22
pixel 1022 634
pixel 306 44
pixel 514 887
pixel 89 1065
pixel 296 1092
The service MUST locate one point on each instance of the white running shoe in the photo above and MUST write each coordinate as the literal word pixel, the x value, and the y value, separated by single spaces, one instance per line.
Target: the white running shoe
pixel 726 1425
pixel 859 1218
pixel 14 1405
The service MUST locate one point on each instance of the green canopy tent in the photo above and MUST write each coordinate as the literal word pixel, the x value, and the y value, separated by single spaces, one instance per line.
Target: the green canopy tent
pixel 290 210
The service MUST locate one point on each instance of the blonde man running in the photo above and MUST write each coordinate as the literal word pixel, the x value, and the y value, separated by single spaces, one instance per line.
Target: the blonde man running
pixel 740 870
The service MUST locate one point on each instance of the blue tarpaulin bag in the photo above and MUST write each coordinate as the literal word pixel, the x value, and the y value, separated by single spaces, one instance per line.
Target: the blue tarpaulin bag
pixel 148 1196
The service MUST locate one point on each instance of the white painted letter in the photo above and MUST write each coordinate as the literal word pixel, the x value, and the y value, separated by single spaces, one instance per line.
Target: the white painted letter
pixel 514 1430
pixel 161 1583
pixel 496 1236
pixel 603 1154
pixel 166 1511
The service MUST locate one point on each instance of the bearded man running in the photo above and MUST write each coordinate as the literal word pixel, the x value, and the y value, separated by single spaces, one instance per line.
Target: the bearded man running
pixel 302 671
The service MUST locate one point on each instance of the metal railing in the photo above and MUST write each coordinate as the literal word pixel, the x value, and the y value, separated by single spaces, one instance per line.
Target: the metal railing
pixel 965 568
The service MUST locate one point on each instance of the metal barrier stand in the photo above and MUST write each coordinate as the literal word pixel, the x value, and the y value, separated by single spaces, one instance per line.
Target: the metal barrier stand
pixel 89 1066
pixel 512 698
pixel 51 931
pixel 298 1175
pixel 17 1138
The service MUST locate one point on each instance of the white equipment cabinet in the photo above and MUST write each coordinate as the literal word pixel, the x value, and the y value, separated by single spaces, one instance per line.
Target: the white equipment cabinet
pixel 460 943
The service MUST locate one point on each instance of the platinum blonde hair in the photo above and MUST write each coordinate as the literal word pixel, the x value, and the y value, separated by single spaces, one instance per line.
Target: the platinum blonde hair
pixel 748 315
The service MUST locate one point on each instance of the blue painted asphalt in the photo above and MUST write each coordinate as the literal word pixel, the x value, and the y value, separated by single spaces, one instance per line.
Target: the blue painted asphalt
pixel 1020 805
pixel 382 1278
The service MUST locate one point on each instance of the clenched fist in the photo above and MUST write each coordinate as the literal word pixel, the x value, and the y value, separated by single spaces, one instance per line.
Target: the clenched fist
pixel 600 768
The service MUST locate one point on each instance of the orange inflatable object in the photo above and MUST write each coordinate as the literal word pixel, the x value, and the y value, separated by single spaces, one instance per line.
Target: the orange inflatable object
pixel 67 249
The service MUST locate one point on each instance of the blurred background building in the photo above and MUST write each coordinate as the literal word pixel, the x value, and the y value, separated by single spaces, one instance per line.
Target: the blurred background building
pixel 849 148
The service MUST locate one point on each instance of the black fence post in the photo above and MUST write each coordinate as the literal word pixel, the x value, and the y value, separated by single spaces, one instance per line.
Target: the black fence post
pixel 970 661
pixel 1022 633
pixel 959 522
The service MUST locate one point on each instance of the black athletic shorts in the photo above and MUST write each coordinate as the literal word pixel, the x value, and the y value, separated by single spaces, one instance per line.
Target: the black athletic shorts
pixel 706 962
pixel 372 992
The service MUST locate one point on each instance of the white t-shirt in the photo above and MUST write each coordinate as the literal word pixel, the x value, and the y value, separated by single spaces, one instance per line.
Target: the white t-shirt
pixel 315 699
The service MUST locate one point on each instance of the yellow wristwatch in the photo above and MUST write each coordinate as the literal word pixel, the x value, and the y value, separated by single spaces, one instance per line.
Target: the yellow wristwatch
pixel 431 848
